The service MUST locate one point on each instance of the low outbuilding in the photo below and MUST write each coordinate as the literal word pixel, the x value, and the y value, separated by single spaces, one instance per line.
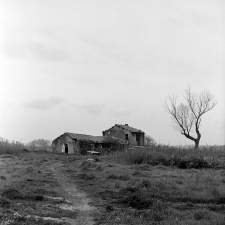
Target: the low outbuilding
pixel 72 143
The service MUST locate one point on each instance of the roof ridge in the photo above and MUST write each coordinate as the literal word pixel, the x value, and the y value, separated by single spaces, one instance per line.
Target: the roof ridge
pixel 129 128
pixel 83 134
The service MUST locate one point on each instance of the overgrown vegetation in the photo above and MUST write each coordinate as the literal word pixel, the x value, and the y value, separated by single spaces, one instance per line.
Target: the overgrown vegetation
pixel 13 147
pixel 173 156
pixel 10 147
pixel 31 195
pixel 156 185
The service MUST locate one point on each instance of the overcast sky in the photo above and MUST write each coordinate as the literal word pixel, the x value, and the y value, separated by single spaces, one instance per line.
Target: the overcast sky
pixel 81 66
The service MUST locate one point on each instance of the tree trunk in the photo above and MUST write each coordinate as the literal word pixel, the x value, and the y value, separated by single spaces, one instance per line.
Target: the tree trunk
pixel 196 144
pixel 196 140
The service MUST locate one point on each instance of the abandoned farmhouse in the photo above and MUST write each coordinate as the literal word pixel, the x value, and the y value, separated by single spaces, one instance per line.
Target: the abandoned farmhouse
pixel 117 137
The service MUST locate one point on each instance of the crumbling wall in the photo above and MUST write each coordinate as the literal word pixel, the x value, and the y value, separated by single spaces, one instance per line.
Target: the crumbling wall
pixel 58 145
pixel 121 133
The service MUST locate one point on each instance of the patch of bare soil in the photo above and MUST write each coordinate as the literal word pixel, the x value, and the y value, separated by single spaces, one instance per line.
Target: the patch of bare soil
pixel 34 190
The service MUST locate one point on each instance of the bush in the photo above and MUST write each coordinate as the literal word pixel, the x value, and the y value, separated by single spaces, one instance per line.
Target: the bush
pixel 171 156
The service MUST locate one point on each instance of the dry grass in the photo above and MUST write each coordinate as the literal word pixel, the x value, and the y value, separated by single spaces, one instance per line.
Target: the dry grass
pixel 10 147
pixel 211 157
pixel 147 187
pixel 30 193
pixel 159 185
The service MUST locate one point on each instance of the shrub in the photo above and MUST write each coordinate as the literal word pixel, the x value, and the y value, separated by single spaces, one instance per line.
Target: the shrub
pixel 171 156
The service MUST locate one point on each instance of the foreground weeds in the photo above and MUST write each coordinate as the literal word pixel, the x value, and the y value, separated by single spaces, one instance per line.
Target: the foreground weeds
pixel 154 186
pixel 31 194
pixel 160 185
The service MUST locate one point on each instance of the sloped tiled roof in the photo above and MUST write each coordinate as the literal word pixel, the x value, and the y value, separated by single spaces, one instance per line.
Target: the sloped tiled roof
pixel 128 128
pixel 131 129
pixel 86 137
pixel 96 139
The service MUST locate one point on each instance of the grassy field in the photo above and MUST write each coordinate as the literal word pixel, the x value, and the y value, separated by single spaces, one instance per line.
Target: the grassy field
pixel 157 185
pixel 162 185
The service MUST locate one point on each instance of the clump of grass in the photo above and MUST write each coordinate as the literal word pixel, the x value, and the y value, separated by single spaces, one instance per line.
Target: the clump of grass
pixel 151 209
pixel 145 184
pixel 85 165
pixel 121 177
pixel 158 212
pixel 112 177
pixel 117 185
pixel 137 200
pixel 5 203
pixel 20 220
pixel 99 168
pixel 202 215
pixel 12 194
pixel 85 176
pixel 2 177
pixel 137 173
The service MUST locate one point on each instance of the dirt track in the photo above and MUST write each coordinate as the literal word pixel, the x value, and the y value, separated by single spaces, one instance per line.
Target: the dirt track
pixel 33 175
pixel 79 200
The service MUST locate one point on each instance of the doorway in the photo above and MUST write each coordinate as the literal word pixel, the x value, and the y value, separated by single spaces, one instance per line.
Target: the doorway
pixel 66 148
pixel 138 139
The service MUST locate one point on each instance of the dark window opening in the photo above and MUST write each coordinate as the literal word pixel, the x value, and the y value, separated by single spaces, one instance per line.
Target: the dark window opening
pixel 138 139
pixel 126 137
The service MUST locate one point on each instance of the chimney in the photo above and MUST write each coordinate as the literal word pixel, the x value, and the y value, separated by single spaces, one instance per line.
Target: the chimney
pixel 126 124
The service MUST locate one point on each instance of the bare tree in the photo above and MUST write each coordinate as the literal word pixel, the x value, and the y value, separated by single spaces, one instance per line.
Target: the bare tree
pixel 39 143
pixel 149 141
pixel 187 118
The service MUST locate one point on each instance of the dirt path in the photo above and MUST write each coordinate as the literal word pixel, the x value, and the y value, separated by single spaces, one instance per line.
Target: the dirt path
pixel 41 175
pixel 78 200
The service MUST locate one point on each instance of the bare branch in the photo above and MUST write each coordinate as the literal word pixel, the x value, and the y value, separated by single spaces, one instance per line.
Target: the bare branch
pixel 187 117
